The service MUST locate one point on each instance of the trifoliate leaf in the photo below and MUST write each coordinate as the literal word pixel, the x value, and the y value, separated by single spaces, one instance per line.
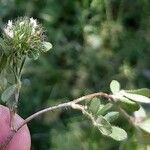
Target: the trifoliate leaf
pixel 118 134
pixel 115 86
pixel 143 91
pixel 137 98
pixel 111 116
pixel 47 46
pixel 6 95
pixel 103 125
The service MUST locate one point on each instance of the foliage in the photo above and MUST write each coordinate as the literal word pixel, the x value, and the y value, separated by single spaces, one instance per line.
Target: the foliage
pixel 94 42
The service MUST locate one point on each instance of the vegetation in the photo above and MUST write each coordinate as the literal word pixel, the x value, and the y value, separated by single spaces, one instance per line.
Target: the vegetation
pixel 94 42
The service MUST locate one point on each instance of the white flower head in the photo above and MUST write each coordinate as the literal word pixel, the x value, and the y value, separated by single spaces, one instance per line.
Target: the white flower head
pixel 26 37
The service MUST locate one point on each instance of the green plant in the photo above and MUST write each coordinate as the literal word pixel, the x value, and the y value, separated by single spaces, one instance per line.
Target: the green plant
pixel 24 39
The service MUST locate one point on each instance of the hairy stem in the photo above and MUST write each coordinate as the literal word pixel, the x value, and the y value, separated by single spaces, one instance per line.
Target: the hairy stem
pixel 13 108
pixel 67 104
pixel 21 66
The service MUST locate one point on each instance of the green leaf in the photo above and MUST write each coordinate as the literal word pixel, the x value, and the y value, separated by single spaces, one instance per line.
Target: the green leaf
pixel 4 47
pixel 3 82
pixel 6 95
pixel 111 116
pixel 137 98
pixel 143 91
pixel 3 62
pixel 104 109
pixel 115 86
pixel 47 46
pixel 103 125
pixel 94 105
pixel 127 104
pixel 145 125
pixel 118 134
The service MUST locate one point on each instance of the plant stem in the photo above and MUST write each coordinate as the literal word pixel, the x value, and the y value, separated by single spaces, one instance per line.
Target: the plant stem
pixel 73 104
pixel 63 105
pixel 67 104
pixel 21 67
pixel 13 109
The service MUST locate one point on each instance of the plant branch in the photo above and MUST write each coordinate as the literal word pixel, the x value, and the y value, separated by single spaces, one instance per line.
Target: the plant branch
pixel 72 104
pixel 59 106
pixel 67 104
pixel 81 108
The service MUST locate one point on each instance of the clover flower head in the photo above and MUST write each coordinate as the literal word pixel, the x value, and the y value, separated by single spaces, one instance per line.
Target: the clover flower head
pixel 25 36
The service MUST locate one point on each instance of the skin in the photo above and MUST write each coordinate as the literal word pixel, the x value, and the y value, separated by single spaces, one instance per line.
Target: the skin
pixel 21 139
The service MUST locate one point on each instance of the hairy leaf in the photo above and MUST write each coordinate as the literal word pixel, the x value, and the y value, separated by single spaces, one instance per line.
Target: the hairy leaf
pixel 6 95
pixel 115 86
pixel 111 116
pixel 127 104
pixel 94 105
pixel 103 125
pixel 118 134
pixel 137 98
pixel 3 82
pixel 47 46
pixel 3 62
pixel 143 91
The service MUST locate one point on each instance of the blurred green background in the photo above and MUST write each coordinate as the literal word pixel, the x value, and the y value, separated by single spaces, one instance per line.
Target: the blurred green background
pixel 94 41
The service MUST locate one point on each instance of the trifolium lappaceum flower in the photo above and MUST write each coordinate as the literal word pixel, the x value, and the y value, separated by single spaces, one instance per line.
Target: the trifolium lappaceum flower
pixel 25 37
